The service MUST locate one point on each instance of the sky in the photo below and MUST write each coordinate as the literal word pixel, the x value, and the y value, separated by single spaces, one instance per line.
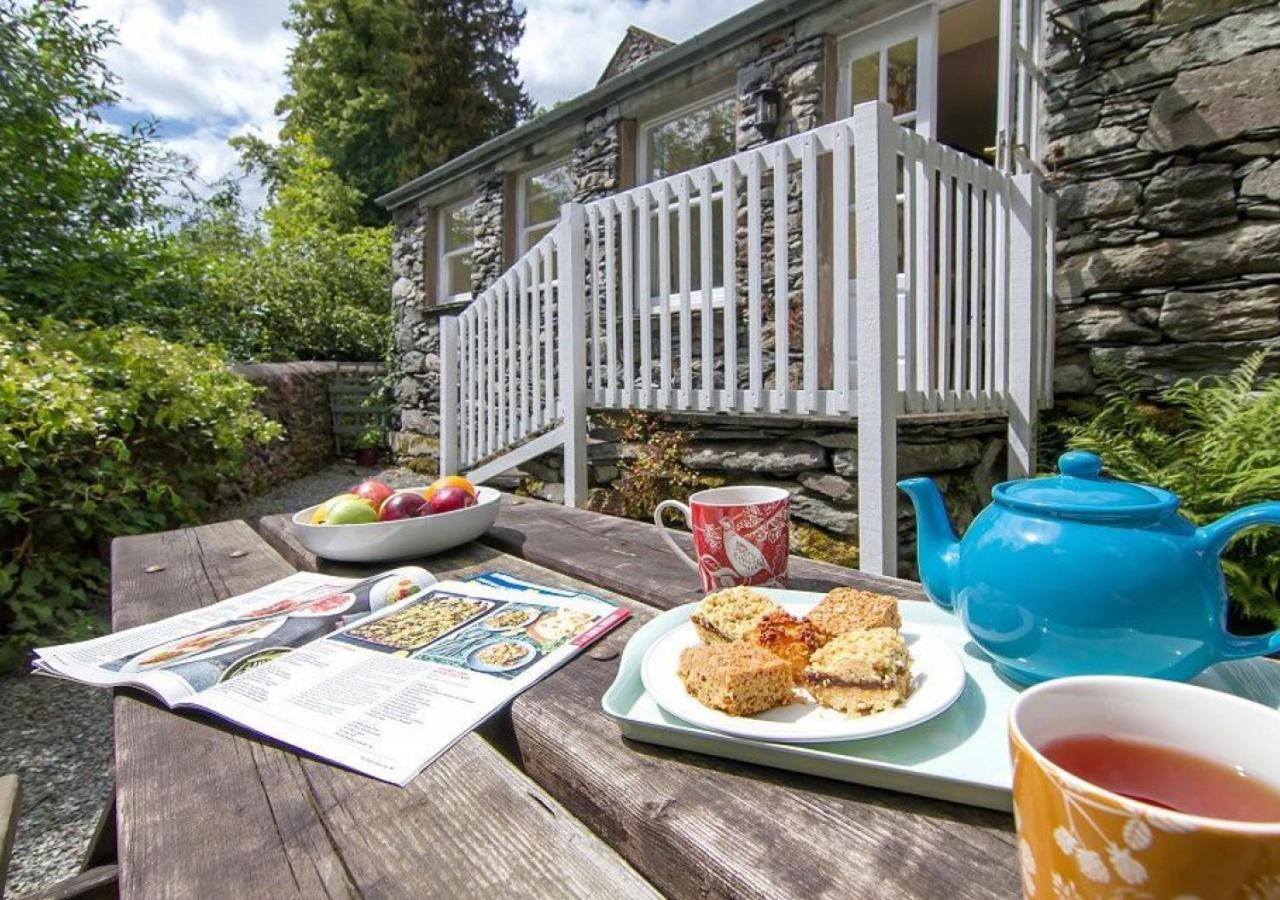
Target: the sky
pixel 207 70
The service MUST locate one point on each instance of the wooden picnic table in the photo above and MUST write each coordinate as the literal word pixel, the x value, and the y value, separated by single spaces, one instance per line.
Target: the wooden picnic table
pixel 547 799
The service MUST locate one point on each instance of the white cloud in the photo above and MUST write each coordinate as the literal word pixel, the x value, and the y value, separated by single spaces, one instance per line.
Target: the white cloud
pixel 567 43
pixel 206 69
pixel 210 69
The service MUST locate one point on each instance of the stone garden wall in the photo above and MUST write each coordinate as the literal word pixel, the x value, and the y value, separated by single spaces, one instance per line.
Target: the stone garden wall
pixel 295 394
pixel 1164 143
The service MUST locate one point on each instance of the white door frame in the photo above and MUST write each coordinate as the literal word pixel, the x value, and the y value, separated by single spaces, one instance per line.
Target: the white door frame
pixel 920 23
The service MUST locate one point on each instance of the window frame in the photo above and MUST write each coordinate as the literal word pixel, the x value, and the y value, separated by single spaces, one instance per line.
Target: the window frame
pixel 443 255
pixel 522 192
pixel 717 194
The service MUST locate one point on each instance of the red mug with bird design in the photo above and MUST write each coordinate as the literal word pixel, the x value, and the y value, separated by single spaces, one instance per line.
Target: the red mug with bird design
pixel 740 535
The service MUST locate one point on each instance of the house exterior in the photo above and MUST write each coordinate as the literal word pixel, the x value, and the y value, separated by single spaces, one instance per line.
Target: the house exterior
pixel 1152 126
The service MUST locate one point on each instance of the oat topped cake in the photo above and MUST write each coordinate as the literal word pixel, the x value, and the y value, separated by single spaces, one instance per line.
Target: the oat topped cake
pixel 847 609
pixel 860 672
pixel 729 614
pixel 785 636
pixel 738 678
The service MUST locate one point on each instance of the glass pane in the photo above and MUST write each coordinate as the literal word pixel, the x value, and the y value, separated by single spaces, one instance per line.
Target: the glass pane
pixel 902 77
pixel 457 271
pixel 544 193
pixel 696 138
pixel 866 78
pixel 533 235
pixel 459 230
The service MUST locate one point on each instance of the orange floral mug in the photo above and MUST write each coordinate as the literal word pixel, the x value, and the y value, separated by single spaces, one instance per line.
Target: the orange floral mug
pixel 1079 840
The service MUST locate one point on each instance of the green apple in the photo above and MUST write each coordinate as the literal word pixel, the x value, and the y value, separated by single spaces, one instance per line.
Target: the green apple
pixel 321 513
pixel 350 511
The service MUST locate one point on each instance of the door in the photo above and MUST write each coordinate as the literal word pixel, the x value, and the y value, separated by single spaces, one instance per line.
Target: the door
pixel 1021 86
pixel 895 61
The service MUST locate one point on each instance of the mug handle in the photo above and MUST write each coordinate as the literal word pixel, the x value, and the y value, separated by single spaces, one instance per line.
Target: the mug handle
pixel 688 520
pixel 1214 538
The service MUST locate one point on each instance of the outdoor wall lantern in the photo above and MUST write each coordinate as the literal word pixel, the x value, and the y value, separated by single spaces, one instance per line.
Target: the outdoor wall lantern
pixel 1070 28
pixel 768 109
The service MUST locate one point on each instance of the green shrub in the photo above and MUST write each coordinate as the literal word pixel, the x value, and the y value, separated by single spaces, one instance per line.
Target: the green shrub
pixel 1213 442
pixel 103 432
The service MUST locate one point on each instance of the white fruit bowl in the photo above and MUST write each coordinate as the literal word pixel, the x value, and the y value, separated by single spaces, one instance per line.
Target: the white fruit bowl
pixel 401 539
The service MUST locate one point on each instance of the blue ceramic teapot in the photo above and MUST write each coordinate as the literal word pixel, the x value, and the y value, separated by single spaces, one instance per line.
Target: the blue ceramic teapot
pixel 1083 575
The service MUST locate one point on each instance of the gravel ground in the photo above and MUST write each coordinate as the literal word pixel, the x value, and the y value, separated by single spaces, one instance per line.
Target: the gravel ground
pixel 302 492
pixel 57 737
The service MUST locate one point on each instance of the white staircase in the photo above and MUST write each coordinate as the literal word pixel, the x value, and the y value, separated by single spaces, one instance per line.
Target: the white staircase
pixel 918 281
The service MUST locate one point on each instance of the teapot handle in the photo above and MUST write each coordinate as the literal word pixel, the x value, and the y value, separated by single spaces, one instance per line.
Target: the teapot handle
pixel 1214 538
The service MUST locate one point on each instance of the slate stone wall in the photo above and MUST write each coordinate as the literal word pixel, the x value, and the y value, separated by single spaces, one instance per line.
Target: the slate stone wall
pixel 1164 144
pixel 815 462
pixel 488 256
pixel 295 394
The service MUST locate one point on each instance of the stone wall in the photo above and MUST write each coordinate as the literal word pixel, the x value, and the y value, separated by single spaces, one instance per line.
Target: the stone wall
pixel 1165 147
pixel 488 256
pixel 417 341
pixel 595 167
pixel 295 394
pixel 816 462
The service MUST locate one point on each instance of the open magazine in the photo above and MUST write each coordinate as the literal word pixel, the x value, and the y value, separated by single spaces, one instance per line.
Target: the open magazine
pixel 380 675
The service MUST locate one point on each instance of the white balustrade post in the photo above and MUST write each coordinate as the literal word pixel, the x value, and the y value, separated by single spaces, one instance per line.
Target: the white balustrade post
pixel 875 197
pixel 448 455
pixel 571 309
pixel 1026 277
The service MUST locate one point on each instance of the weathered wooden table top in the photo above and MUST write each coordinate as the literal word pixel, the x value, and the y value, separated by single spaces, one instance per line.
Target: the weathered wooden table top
pixel 546 800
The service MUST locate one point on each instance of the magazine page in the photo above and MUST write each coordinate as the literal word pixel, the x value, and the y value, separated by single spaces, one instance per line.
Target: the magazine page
pixel 182 655
pixel 387 695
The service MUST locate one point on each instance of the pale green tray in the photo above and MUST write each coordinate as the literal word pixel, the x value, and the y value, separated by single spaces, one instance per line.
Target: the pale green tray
pixel 961 756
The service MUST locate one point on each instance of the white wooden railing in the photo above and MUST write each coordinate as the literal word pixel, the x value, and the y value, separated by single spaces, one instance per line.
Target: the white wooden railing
pixel 855 270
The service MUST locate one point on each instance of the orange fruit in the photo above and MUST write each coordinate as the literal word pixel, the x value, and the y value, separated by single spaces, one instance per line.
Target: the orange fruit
pixel 450 481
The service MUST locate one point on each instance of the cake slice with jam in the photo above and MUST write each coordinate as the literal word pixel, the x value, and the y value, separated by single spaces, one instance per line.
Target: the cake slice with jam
pixel 860 673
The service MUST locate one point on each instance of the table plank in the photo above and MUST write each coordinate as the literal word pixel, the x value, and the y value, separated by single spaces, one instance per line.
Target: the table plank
pixel 618 554
pixel 630 557
pixel 700 826
pixel 206 811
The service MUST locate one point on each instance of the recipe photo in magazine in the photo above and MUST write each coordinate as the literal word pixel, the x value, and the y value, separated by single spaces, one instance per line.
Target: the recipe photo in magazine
pixel 178 657
pixel 388 694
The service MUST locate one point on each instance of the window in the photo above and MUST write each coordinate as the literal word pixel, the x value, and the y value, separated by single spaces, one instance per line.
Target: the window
pixel 689 138
pixel 540 196
pixel 457 235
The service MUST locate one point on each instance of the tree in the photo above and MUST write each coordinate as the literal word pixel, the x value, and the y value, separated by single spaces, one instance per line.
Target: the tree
pixel 463 86
pixel 80 200
pixel 347 74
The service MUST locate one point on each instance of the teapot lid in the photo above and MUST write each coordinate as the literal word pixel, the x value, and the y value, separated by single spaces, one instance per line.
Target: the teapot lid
pixel 1080 492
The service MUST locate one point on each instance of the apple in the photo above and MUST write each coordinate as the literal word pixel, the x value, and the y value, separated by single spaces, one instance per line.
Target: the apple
pixel 404 505
pixel 353 511
pixel 321 513
pixel 374 491
pixel 449 499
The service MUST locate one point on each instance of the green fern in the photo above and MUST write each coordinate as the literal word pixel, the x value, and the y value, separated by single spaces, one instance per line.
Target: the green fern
pixel 1214 442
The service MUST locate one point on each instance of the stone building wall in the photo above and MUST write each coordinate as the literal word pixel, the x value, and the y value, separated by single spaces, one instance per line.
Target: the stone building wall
pixel 488 256
pixel 1164 145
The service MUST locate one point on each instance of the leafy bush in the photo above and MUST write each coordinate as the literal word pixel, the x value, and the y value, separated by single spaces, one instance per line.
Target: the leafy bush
pixel 1213 442
pixel 80 202
pixel 106 431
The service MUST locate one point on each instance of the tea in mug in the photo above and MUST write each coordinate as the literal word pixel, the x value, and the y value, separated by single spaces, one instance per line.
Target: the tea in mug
pixel 1167 777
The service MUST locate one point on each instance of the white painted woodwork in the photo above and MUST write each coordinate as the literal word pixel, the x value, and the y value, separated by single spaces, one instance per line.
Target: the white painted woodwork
pixel 942 302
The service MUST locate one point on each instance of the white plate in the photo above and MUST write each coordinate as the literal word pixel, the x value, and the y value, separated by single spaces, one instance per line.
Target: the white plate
pixel 401 539
pixel 937 678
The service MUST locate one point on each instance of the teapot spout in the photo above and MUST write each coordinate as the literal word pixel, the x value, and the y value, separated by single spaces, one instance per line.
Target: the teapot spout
pixel 938 549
